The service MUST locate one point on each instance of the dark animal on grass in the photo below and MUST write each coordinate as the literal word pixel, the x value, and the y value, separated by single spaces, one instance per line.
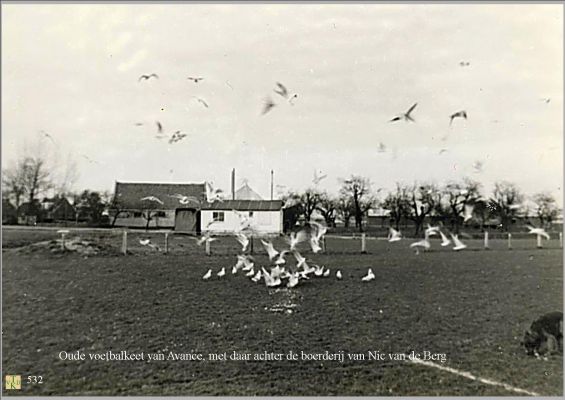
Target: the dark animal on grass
pixel 545 335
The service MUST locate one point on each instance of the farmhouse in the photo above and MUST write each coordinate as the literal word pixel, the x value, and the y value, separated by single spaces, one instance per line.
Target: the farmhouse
pixel 9 212
pixel 172 212
pixel 266 216
pixel 57 209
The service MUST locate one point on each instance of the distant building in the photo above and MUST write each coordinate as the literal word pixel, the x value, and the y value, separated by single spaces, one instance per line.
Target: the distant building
pixel 182 215
pixel 29 213
pixel 57 209
pixel 266 216
pixel 9 213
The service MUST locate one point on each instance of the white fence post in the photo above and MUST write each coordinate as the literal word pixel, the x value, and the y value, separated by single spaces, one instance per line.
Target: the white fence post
pixel 166 242
pixel 539 242
pixel 363 244
pixel 486 240
pixel 63 241
pixel 125 242
pixel 561 239
pixel 208 250
pixel 510 241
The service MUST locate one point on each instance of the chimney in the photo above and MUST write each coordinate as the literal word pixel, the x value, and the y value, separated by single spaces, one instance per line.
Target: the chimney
pixel 233 184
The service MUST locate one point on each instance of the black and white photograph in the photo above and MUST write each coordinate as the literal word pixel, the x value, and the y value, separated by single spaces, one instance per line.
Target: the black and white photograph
pixel 282 199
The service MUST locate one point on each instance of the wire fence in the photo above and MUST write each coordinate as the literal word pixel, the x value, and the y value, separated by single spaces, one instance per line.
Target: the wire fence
pixel 120 241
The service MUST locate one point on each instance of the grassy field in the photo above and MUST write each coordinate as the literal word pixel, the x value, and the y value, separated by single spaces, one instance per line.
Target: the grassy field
pixel 472 305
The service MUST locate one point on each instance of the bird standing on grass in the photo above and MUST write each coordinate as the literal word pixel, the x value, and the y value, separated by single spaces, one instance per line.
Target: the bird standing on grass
pixel 369 277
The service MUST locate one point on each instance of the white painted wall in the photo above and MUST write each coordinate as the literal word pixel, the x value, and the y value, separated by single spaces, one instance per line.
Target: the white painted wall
pixel 267 222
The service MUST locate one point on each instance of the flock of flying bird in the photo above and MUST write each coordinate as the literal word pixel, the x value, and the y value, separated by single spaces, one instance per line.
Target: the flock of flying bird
pixel 280 272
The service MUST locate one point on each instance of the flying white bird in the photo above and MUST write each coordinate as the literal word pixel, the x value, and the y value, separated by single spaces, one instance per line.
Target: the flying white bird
pixel 319 271
pixel 250 273
pixel 301 261
pixel 444 240
pixel 405 116
pixel 295 238
pixel 319 230
pixel 338 275
pixel 459 245
pixel 257 277
pixel 269 280
pixel 468 212
pixel 207 275
pixel 458 114
pixel 369 277
pixel 205 238
pixel 282 90
pixel 315 244
pixel 318 178
pixel 292 280
pixel 213 195
pixel 424 243
pixel 280 259
pixel 184 200
pixel 147 77
pixel 478 167
pixel 432 230
pixel 270 249
pixel 394 235
pixel 152 198
pixel 194 79
pixel 538 231
pixel 222 272
pixel 243 241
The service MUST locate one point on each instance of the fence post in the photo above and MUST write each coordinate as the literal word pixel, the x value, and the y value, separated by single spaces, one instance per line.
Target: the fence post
pixel 251 244
pixel 63 241
pixel 208 251
pixel 539 245
pixel 363 245
pixel 324 244
pixel 166 242
pixel 509 241
pixel 561 239
pixel 486 240
pixel 125 242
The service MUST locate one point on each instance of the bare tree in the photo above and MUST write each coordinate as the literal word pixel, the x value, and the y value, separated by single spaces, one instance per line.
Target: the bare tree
pixel 458 195
pixel 505 202
pixel 328 206
pixel 345 208
pixel 358 189
pixel 13 184
pixel 547 209
pixel 397 203
pixel 30 177
pixel 421 201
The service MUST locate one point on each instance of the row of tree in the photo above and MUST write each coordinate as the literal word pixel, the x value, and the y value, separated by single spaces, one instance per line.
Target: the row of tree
pixel 449 204
pixel 31 177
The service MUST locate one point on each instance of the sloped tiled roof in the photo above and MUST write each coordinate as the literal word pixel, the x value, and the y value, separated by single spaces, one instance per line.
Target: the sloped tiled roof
pixel 246 193
pixel 129 194
pixel 245 205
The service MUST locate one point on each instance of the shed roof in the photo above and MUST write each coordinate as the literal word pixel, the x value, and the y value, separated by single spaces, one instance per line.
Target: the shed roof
pixel 245 205
pixel 129 194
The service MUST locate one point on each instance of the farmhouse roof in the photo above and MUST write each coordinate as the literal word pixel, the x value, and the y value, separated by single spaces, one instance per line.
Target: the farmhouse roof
pixel 245 205
pixel 246 193
pixel 129 194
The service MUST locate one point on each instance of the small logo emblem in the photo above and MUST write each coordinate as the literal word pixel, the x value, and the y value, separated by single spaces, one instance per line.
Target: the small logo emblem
pixel 13 382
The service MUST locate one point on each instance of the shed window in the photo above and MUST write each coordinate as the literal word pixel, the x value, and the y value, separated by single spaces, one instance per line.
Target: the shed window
pixel 136 214
pixel 218 216
pixel 251 213
pixel 161 214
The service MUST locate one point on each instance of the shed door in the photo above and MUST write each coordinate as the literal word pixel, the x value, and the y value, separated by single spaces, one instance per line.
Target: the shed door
pixel 186 221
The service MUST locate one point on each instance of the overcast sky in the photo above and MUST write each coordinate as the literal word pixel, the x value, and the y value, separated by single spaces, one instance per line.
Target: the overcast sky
pixel 72 71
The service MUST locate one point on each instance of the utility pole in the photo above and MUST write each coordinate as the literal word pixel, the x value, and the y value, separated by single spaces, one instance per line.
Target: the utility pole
pixel 272 173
